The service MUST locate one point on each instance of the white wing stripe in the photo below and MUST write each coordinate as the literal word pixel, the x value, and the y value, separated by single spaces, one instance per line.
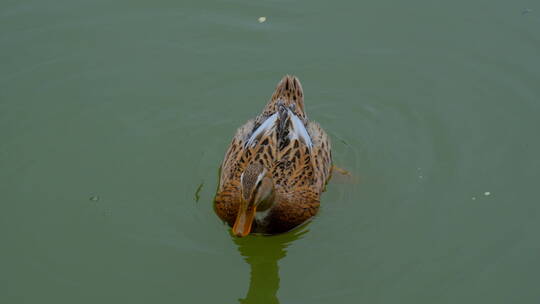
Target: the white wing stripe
pixel 265 127
pixel 299 130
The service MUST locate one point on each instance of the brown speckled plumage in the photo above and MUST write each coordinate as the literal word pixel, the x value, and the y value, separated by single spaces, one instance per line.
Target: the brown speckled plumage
pixel 298 164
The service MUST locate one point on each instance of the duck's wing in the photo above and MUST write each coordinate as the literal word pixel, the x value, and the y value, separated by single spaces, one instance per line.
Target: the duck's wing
pixel 303 153
pixel 253 142
pixel 261 145
pixel 230 169
pixel 321 152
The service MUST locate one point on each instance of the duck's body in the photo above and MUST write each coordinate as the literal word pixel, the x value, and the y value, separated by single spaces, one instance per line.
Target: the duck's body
pixel 275 168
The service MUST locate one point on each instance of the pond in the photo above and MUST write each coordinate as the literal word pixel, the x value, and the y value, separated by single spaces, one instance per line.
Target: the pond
pixel 115 117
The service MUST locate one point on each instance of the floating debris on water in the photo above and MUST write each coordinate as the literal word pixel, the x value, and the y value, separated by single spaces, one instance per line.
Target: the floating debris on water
pixel 198 192
pixel 526 11
pixel 487 193
pixel 261 19
pixel 421 174
pixel 473 198
pixel 94 198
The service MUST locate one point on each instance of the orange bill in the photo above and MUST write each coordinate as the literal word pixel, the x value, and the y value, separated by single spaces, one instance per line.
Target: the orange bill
pixel 244 220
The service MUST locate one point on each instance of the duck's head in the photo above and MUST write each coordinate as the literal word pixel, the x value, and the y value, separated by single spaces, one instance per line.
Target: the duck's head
pixel 257 194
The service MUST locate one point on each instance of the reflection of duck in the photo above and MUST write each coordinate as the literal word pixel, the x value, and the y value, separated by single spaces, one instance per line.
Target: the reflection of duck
pixel 275 168
pixel 262 254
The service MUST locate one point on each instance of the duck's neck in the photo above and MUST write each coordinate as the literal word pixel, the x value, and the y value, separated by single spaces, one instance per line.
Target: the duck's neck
pixel 264 208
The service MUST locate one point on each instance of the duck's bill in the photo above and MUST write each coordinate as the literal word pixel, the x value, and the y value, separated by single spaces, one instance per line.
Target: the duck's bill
pixel 244 220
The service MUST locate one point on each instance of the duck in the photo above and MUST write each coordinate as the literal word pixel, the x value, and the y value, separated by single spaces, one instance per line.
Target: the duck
pixel 275 168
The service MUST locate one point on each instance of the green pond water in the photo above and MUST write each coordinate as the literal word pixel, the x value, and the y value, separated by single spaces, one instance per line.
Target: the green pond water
pixel 115 116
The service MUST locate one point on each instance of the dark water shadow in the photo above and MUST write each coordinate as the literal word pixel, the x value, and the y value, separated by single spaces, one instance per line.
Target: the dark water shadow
pixel 262 253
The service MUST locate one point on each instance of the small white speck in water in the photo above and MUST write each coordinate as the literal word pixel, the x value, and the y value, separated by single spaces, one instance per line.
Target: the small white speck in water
pixel 261 19
pixel 487 193
pixel 473 198
pixel 94 198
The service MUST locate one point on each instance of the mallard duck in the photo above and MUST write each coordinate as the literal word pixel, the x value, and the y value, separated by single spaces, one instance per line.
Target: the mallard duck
pixel 275 168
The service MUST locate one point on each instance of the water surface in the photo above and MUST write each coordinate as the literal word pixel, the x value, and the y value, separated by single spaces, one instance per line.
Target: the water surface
pixel 114 117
